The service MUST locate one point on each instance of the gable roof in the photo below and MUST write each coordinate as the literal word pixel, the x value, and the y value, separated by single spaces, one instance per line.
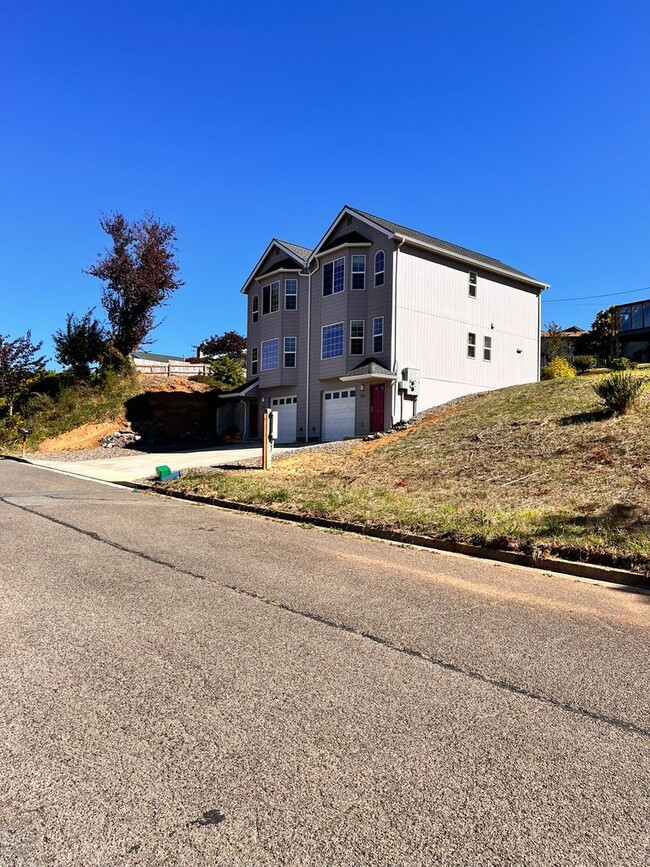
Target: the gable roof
pixel 398 231
pixel 299 254
pixel 369 368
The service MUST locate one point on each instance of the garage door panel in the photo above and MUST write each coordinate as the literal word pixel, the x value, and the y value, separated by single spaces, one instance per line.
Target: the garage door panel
pixel 286 408
pixel 338 414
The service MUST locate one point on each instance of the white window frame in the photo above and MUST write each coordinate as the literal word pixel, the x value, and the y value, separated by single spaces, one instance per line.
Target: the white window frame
pixel 375 336
pixel 293 352
pixel 383 270
pixel 353 272
pixel 255 308
pixel 254 361
pixel 356 337
pixel 487 348
pixel 471 345
pixel 293 295
pixel 472 284
pixel 264 343
pixel 322 334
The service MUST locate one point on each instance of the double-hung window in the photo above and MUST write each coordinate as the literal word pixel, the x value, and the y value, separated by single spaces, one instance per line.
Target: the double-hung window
pixel 380 268
pixel 271 298
pixel 377 335
pixel 332 340
pixel 291 294
pixel 255 308
pixel 358 271
pixel 473 282
pixel 471 345
pixel 487 349
pixel 270 354
pixel 356 336
pixel 253 360
pixel 289 351
pixel 334 277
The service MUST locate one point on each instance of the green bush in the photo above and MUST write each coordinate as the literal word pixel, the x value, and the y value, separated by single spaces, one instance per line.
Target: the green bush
pixel 620 391
pixel 623 364
pixel 559 368
pixel 585 362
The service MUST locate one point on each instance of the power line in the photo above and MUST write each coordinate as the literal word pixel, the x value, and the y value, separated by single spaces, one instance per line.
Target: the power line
pixel 589 297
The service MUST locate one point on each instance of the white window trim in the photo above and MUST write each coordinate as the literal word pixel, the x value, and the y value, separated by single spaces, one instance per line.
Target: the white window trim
pixel 353 272
pixel 473 285
pixel 472 345
pixel 270 340
pixel 254 361
pixel 383 270
pixel 376 319
pixel 333 264
pixel 293 352
pixel 362 338
pixel 331 325
pixel 291 309
pixel 255 313
pixel 487 348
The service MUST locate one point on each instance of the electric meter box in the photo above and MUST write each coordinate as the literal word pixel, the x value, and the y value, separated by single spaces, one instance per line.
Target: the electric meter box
pixel 411 381
pixel 273 424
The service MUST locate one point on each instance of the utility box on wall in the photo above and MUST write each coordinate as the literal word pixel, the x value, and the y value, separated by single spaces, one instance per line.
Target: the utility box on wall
pixel 410 383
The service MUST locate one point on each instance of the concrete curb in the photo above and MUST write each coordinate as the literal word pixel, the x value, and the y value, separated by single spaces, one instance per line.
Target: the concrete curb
pixel 550 564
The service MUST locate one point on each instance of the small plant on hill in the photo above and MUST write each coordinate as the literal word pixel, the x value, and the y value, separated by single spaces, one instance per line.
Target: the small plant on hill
pixel 620 391
pixel 80 344
pixel 585 362
pixel 622 364
pixel 558 368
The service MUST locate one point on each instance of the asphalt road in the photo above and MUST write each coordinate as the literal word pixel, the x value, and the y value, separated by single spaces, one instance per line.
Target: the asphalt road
pixel 181 685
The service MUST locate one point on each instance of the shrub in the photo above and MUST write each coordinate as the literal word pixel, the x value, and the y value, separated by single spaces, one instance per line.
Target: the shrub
pixel 585 362
pixel 620 391
pixel 559 368
pixel 622 364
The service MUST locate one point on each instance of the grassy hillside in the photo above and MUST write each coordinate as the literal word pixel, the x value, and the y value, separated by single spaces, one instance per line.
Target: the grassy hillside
pixel 536 468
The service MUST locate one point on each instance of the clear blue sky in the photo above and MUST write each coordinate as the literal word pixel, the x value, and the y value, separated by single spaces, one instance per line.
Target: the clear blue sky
pixel 519 130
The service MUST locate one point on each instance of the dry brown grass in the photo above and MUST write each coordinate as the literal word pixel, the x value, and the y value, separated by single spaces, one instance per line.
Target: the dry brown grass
pixel 536 467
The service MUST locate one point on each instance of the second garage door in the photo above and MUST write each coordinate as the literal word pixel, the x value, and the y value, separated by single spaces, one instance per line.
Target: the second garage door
pixel 286 409
pixel 338 414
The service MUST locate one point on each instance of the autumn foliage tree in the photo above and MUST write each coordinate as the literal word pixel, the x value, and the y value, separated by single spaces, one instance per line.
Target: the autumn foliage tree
pixel 19 362
pixel 231 343
pixel 139 274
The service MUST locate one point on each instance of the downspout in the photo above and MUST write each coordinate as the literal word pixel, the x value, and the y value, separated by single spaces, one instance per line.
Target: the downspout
pixel 393 327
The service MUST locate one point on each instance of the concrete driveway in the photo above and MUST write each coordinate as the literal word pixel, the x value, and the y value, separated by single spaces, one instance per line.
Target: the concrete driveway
pixel 130 468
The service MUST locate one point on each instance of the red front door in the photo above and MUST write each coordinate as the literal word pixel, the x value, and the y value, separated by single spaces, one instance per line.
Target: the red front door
pixel 377 403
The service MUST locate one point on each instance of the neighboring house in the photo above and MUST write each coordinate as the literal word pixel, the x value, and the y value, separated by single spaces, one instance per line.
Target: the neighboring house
pixel 571 335
pixel 157 364
pixel 633 330
pixel 376 323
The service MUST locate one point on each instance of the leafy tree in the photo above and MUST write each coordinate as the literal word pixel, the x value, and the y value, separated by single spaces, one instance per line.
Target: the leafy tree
pixel 228 372
pixel 557 345
pixel 19 363
pixel 139 274
pixel 602 337
pixel 231 343
pixel 82 342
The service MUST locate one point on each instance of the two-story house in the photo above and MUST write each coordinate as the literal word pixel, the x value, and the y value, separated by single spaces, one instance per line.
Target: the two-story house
pixel 376 323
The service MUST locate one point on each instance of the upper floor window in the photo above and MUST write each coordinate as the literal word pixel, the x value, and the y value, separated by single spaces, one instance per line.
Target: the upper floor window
pixel 377 335
pixel 332 340
pixel 334 277
pixel 471 345
pixel 289 351
pixel 291 294
pixel 356 336
pixel 487 349
pixel 253 360
pixel 380 266
pixel 358 271
pixel 473 280
pixel 255 307
pixel 271 298
pixel 270 354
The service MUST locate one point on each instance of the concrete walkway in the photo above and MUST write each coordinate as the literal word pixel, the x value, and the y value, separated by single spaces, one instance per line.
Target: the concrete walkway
pixel 132 467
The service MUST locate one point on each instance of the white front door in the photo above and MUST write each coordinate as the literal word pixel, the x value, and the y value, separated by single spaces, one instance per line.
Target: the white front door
pixel 286 408
pixel 338 414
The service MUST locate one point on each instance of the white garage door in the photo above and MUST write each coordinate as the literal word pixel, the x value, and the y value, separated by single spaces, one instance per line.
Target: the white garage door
pixel 338 414
pixel 286 408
